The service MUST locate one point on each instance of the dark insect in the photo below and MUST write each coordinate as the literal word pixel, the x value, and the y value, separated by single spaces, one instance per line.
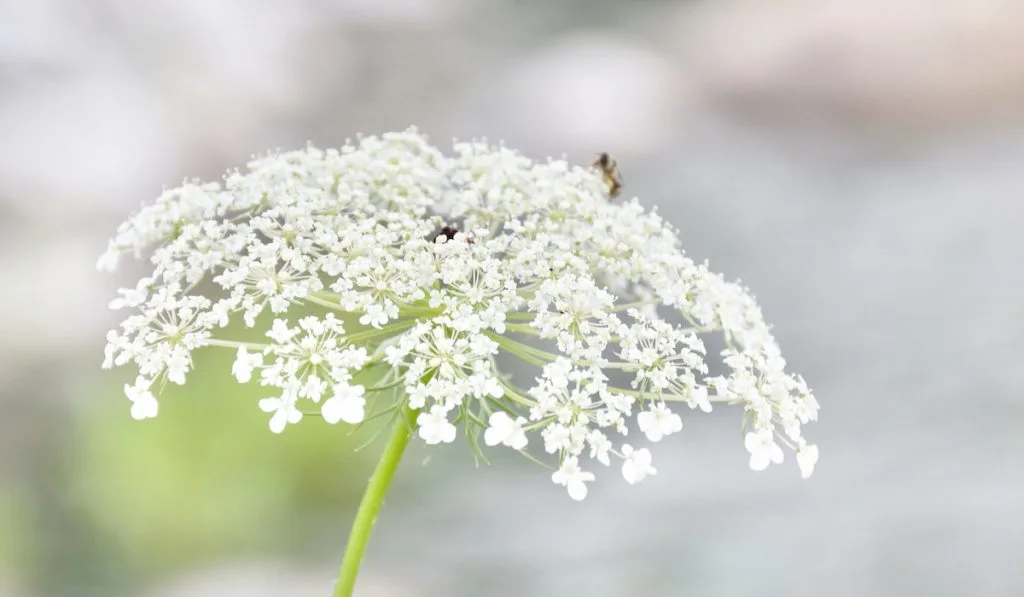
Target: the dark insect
pixel 449 233
pixel 610 171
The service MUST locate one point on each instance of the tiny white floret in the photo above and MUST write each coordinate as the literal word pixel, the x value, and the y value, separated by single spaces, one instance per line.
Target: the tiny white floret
pixel 144 404
pixel 284 412
pixel 763 449
pixel 504 430
pixel 658 421
pixel 636 464
pixel 434 427
pixel 806 458
pixel 244 364
pixel 347 404
pixel 573 478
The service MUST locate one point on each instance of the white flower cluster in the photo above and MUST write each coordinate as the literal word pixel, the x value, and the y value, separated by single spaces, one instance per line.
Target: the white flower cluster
pixel 436 269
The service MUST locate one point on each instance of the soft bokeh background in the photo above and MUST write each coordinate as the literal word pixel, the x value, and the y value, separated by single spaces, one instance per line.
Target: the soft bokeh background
pixel 859 163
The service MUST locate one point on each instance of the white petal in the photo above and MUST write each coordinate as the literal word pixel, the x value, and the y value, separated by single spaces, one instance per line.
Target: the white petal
pixel 629 472
pixel 278 421
pixel 355 410
pixel 577 489
pixel 493 436
pixel 331 411
pixel 806 458
pixel 349 408
pixel 144 408
pixel 753 441
pixel 673 424
pixel 498 430
pixel 108 261
pixel 517 441
pixel 244 364
pixel 637 465
pixel 759 461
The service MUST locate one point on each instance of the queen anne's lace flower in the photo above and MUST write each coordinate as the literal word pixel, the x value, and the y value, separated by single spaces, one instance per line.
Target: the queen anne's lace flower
pixel 435 269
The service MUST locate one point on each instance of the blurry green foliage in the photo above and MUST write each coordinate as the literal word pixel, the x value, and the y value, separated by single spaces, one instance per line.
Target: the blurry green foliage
pixel 13 523
pixel 207 479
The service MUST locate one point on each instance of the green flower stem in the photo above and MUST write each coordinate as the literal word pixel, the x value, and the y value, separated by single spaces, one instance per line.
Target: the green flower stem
pixel 628 306
pixel 670 397
pixel 219 342
pixel 371 503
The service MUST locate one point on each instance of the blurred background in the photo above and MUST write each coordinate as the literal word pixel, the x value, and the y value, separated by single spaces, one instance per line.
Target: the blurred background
pixel 858 163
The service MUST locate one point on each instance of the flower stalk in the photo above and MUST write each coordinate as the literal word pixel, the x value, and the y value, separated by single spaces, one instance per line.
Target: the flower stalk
pixel 371 502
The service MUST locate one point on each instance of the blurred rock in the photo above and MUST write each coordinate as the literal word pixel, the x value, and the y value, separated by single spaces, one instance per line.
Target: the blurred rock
pixel 910 66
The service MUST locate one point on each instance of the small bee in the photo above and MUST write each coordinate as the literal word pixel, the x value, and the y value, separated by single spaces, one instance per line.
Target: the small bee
pixel 610 170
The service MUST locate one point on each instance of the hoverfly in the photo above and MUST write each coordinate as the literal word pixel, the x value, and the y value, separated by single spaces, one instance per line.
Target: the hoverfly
pixel 610 171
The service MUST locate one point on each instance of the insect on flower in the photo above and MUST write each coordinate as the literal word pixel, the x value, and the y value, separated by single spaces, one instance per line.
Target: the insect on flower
pixel 449 233
pixel 610 171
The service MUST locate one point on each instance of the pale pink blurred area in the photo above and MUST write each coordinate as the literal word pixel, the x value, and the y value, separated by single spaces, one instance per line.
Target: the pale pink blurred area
pixel 914 66
pixel 858 163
